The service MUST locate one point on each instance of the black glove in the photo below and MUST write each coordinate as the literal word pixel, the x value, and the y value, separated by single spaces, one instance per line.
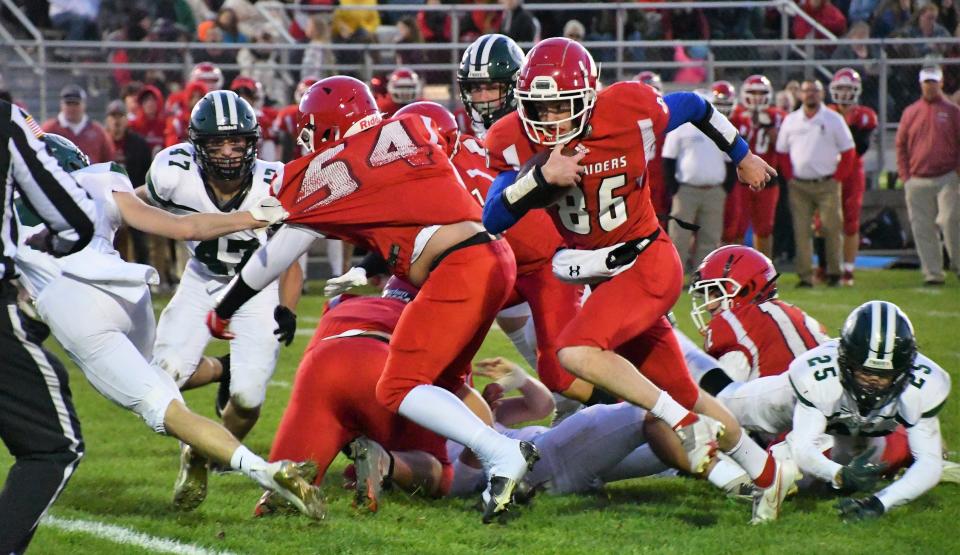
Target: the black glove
pixel 865 508
pixel 860 474
pixel 286 324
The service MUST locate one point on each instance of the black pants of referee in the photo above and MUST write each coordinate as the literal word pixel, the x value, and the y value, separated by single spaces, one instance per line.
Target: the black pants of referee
pixel 38 424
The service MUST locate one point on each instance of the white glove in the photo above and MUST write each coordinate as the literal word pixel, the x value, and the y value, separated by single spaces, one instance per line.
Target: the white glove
pixel 763 118
pixel 355 277
pixel 269 210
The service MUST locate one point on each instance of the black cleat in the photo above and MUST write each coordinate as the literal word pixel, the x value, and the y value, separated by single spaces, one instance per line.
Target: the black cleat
pixel 499 494
pixel 223 389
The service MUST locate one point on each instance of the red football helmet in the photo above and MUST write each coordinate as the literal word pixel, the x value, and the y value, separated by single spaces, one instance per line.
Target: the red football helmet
pixel 334 108
pixel 209 74
pixel 730 277
pixel 556 69
pixel 650 78
pixel 723 96
pixel 404 86
pixel 249 88
pixel 441 117
pixel 756 93
pixel 302 87
pixel 846 86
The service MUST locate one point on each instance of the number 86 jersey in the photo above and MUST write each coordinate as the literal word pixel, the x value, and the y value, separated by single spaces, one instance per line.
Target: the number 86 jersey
pixel 612 203
pixel 815 377
pixel 176 185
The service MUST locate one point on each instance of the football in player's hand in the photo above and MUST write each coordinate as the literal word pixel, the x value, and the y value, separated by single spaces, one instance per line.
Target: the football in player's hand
pixel 541 157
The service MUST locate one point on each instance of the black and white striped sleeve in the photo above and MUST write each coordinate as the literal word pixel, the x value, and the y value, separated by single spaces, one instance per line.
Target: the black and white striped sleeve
pixel 53 194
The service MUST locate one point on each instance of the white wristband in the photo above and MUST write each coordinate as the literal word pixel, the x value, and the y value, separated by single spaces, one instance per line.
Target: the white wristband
pixel 513 380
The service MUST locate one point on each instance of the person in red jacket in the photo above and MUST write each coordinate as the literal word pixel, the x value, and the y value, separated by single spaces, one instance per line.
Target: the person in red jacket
pixel 826 14
pixel 175 130
pixel 73 123
pixel 150 118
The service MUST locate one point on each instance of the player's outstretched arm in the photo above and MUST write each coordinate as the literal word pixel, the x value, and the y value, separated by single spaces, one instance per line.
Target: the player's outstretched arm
pixel 497 218
pixel 265 266
pixel 926 446
pixel 687 107
pixel 809 424
pixel 535 402
pixel 193 227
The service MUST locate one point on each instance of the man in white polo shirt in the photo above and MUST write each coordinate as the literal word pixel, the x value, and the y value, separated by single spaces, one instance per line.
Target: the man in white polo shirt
pixel 819 151
pixel 695 173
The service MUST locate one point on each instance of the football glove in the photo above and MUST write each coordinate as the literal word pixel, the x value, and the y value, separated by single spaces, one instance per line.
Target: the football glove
pixel 354 277
pixel 286 324
pixel 269 209
pixel 860 474
pixel 865 508
pixel 219 327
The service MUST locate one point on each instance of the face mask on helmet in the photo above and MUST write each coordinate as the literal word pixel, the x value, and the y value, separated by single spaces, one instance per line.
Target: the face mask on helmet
pixel 556 120
pixel 487 101
pixel 404 90
pixel 844 93
pixel 709 297
pixel 226 158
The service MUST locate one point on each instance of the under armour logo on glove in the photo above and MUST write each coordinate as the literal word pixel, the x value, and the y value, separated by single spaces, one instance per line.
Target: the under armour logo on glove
pixel 574 271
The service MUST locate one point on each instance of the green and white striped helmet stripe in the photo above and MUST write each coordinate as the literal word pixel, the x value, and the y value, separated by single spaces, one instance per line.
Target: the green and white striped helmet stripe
pixel 480 55
pixel 225 108
pixel 883 329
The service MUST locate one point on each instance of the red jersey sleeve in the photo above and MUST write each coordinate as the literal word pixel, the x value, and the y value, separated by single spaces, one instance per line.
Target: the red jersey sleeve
pixel 508 147
pixel 471 163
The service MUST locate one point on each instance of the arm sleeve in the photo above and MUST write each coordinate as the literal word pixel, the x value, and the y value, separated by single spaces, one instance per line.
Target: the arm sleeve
pixel 51 192
pixel 264 267
pixel 730 179
pixel 924 473
pixel 808 425
pixel 670 182
pixel 861 138
pixel 497 218
pixel 689 107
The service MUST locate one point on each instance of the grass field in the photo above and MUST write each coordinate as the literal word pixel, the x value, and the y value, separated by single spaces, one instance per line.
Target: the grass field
pixel 127 476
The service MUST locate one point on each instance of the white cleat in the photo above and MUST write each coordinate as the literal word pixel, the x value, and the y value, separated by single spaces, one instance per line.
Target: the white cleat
pixel 190 489
pixel 767 502
pixel 700 441
pixel 951 473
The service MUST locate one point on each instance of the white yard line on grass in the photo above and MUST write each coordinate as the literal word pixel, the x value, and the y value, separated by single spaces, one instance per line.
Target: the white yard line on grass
pixel 126 536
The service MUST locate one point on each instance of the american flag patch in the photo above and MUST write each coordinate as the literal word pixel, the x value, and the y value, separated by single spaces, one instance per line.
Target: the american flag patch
pixel 32 124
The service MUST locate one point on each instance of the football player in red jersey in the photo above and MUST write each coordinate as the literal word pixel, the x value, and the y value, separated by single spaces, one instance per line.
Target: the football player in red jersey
pixel 175 130
pixel 758 120
pixel 745 326
pixel 845 88
pixel 204 72
pixel 388 185
pixel 533 241
pixel 284 128
pixel 627 348
pixel 403 87
pixel 334 404
pixel 723 96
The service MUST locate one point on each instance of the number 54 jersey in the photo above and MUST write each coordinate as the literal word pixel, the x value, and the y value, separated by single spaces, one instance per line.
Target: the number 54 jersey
pixel 175 184
pixel 612 203
pixel 815 377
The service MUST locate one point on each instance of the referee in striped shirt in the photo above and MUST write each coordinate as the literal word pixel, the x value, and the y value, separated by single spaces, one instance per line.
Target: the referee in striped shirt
pixel 38 423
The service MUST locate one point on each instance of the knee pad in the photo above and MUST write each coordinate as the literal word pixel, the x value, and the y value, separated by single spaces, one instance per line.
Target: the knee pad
pixel 247 396
pixel 173 366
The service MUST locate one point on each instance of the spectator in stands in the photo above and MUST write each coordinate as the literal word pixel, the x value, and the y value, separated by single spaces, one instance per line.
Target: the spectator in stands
pixel 150 118
pixel 818 152
pixel 259 62
pixel 890 16
pixel 793 87
pixel 784 100
pixel 317 58
pixel 518 23
pixel 72 122
pixel 133 153
pixel 924 25
pixel 480 22
pixel 354 27
pixel 868 54
pixel 692 74
pixel 435 26
pixel 949 17
pixel 76 18
pixel 574 30
pixel 685 24
pixel 861 10
pixel 218 56
pixel 727 24
pixel 129 94
pixel 824 13
pixel 928 148
pixel 408 33
pixel 228 24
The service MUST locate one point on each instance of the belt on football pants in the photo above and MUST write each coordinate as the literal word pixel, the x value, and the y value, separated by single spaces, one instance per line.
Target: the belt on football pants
pixel 478 238
pixel 629 251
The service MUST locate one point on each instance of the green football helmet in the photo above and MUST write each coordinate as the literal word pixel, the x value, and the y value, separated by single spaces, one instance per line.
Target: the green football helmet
pixel 490 60
pixel 220 115
pixel 67 154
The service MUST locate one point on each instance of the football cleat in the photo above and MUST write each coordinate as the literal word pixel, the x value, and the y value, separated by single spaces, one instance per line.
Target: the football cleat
pixel 372 464
pixel 190 488
pixel 767 501
pixel 272 502
pixel 499 493
pixel 700 441
pixel 951 472
pixel 290 484
pixel 847 279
